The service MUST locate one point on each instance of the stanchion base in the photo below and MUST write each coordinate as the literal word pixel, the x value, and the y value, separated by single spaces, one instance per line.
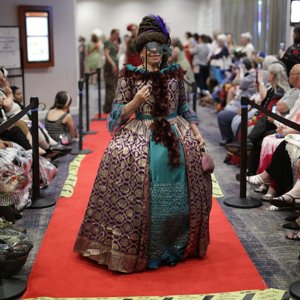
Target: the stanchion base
pixel 11 288
pixel 87 151
pixel 243 202
pixel 42 202
pixel 89 132
pixel 99 119
pixel 294 289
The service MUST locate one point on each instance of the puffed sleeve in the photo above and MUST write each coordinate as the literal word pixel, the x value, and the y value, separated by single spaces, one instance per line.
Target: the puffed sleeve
pixel 184 109
pixel 123 96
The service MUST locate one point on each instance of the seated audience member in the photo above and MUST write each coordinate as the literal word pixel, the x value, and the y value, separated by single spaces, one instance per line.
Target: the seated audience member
pixel 278 176
pixel 292 54
pixel 15 133
pixel 59 122
pixel 263 125
pixel 15 173
pixel 45 141
pixel 257 97
pixel 247 88
pixel 290 102
pixel 285 104
pixel 291 199
pixel 271 142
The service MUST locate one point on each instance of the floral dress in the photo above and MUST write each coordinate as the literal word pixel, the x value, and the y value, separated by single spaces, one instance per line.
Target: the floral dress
pixel 143 212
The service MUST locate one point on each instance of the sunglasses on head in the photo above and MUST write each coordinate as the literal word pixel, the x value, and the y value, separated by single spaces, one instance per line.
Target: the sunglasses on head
pixel 162 49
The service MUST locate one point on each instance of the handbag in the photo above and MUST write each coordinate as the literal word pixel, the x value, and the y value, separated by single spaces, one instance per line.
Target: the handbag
pixel 207 162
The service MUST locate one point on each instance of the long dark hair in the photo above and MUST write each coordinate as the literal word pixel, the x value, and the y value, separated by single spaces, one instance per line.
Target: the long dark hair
pixel 62 99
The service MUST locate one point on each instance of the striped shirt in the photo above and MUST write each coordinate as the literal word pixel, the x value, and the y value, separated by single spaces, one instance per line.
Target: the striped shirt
pixel 57 129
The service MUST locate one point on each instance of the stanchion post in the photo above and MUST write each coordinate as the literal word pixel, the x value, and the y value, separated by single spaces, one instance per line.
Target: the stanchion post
pixel 99 117
pixel 35 150
pixel 80 151
pixel 294 289
pixel 87 105
pixel 12 288
pixel 243 201
pixel 194 88
pixel 80 88
pixel 37 200
pixel 243 154
pixel 87 100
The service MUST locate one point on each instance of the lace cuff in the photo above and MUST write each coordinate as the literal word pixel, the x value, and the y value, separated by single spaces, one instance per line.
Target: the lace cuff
pixel 187 113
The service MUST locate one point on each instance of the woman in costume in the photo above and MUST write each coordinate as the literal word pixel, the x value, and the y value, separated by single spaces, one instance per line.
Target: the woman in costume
pixel 151 201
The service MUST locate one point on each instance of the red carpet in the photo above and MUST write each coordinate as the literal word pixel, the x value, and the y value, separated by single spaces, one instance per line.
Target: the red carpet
pixel 58 272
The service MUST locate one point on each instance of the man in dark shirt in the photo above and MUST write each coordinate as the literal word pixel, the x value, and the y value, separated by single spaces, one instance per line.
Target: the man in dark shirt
pixel 292 55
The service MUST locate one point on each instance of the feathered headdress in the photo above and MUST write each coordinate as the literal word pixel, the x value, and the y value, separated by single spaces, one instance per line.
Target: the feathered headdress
pixel 162 24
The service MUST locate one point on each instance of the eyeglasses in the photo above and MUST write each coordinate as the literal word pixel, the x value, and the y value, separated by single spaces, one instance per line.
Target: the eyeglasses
pixel 159 48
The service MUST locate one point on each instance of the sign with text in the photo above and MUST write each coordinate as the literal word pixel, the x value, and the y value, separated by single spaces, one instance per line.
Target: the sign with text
pixel 10 47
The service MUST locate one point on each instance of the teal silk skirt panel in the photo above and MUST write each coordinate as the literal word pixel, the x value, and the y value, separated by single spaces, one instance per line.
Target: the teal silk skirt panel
pixel 169 208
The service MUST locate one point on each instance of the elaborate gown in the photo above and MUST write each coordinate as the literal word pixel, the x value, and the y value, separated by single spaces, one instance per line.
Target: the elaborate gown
pixel 143 212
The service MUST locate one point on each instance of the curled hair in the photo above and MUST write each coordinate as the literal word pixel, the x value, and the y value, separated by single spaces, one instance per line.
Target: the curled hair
pixel 161 128
pixel 150 30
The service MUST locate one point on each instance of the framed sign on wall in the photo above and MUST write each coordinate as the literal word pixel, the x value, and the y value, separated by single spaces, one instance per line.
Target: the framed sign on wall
pixel 36 29
pixel 10 55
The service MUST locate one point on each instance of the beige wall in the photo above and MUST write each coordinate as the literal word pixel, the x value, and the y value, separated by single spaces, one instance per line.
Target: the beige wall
pixel 182 15
pixel 46 82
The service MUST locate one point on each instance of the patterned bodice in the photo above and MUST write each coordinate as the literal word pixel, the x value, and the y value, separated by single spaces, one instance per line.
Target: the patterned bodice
pixel 128 87
pixel 168 83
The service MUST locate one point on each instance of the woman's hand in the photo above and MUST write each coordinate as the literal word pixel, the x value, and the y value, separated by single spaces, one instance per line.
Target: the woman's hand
pixel 142 95
pixel 5 144
pixel 197 135
pixel 200 139
pixel 281 130
pixel 115 69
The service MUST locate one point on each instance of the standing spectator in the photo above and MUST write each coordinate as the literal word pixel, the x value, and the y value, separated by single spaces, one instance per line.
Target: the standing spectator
pixel 230 43
pixel 248 48
pixel 110 69
pixel 200 62
pixel 292 54
pixel 189 43
pixel 220 59
pixel 132 56
pixel 93 56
